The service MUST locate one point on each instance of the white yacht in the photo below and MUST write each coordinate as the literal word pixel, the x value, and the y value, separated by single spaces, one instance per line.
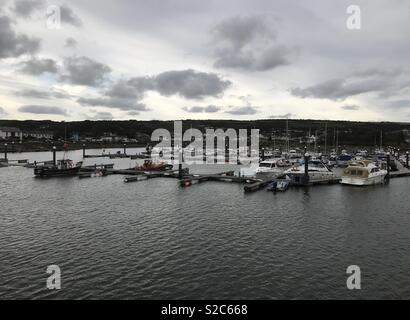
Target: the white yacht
pixel 363 173
pixel 318 173
pixel 269 166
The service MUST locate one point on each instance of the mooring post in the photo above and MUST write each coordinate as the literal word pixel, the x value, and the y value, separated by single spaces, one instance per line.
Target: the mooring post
pixel 407 160
pixel 125 148
pixel 263 154
pixel 83 150
pixel 5 152
pixel 54 156
pixel 306 178
pixel 388 165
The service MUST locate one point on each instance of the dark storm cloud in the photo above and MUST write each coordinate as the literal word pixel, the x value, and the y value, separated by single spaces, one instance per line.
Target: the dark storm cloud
pixel 24 8
pixel 115 103
pixel 350 107
pixel 249 43
pixel 190 84
pixel 36 109
pixel 242 111
pixel 13 45
pixel 45 95
pixel 69 16
pixel 36 66
pixel 84 71
pixel 207 109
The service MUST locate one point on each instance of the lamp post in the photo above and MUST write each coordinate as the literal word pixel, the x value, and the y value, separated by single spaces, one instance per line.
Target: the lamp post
pixel 5 151
pixel 54 155
pixel 306 168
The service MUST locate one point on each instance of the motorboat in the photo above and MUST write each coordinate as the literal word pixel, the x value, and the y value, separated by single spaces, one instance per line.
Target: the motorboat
pixel 343 159
pixel 363 173
pixel 294 157
pixel 269 166
pixel 318 172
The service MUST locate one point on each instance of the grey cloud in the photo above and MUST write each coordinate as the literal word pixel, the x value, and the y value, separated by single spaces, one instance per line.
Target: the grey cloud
pixel 2 112
pixel 207 109
pixel 71 43
pixel 37 66
pixel 399 104
pixel 133 113
pixel 241 111
pixel 350 107
pixel 102 116
pixel 383 82
pixel 339 89
pixel 84 71
pixel 36 109
pixel 116 103
pixel 24 8
pixel 13 45
pixel 127 94
pixel 249 43
pixel 38 94
pixel 190 84
pixel 283 116
pixel 68 16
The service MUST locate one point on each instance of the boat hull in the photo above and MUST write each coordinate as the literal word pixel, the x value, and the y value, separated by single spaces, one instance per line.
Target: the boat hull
pixel 363 181
pixel 44 172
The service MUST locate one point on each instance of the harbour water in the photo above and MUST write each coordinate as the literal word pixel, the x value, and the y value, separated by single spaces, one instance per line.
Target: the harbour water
pixel 156 240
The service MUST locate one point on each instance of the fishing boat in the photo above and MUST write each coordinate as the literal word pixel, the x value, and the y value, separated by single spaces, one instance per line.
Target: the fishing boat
pixel 151 166
pixel 318 172
pixel 363 173
pixel 63 168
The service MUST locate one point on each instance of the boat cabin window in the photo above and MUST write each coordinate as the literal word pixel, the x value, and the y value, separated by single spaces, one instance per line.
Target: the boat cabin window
pixel 266 165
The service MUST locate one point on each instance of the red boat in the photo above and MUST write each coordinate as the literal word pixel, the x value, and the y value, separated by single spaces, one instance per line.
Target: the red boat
pixel 150 166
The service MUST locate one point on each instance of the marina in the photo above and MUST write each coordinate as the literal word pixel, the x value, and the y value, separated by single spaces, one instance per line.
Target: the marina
pixel 139 231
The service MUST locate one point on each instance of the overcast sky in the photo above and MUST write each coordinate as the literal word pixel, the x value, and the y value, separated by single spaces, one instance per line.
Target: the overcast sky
pixel 195 59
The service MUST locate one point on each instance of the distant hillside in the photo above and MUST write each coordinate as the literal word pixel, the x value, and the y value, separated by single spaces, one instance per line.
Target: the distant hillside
pixel 350 133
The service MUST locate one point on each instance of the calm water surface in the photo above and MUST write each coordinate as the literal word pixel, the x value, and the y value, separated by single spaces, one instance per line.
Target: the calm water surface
pixel 153 239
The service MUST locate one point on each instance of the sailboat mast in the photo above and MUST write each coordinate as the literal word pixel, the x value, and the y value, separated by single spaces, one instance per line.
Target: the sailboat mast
pixel 326 138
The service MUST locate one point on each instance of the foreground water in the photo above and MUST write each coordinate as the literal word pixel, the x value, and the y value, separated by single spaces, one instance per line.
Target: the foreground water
pixel 153 239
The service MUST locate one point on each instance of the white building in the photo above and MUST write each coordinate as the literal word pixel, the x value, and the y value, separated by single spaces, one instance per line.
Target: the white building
pixel 10 133
pixel 39 135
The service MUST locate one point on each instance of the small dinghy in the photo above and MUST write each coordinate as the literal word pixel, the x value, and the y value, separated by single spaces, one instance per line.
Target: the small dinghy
pixel 282 186
pixel 279 185
pixel 272 186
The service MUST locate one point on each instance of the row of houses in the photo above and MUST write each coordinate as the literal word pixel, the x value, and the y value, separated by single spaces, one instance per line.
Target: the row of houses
pixel 12 133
